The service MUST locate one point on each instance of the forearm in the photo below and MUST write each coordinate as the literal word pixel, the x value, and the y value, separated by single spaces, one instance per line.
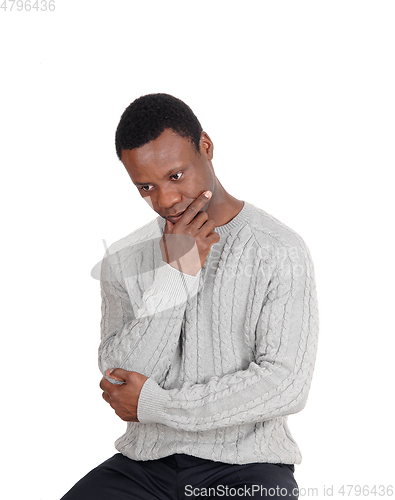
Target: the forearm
pixel 254 395
pixel 276 382
pixel 147 342
pixel 145 345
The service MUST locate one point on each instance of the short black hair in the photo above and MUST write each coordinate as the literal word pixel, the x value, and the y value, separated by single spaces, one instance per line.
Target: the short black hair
pixel 148 116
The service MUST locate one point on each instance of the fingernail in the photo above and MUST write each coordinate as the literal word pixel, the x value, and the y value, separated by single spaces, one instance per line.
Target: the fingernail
pixel 208 194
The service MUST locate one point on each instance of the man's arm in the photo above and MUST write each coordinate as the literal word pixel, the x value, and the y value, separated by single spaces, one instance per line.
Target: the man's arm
pixel 276 383
pixel 146 342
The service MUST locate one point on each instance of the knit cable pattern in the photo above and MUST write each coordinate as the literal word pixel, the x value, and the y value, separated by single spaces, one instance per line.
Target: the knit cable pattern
pixel 229 355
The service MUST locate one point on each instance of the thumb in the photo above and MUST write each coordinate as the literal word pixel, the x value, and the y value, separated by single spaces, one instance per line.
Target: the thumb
pixel 169 225
pixel 117 374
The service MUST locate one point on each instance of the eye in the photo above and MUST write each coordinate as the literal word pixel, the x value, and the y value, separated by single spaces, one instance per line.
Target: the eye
pixel 142 188
pixel 178 173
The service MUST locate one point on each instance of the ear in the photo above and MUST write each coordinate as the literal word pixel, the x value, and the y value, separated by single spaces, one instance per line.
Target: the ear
pixel 206 146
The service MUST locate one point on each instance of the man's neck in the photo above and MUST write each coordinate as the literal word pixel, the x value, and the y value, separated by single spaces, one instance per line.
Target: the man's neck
pixel 223 206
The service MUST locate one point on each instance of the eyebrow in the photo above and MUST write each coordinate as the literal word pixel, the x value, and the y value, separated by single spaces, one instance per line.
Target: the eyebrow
pixel 177 169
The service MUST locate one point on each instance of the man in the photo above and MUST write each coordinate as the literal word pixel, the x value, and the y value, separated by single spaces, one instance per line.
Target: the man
pixel 209 327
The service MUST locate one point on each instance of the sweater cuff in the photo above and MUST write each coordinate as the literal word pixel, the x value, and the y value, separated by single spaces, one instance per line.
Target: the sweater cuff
pixel 170 288
pixel 173 283
pixel 173 286
pixel 151 403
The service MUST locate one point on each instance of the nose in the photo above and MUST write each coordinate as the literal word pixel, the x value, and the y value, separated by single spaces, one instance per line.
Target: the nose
pixel 166 198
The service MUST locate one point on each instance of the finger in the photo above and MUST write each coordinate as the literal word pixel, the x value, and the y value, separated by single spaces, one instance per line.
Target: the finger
pixel 213 238
pixel 164 244
pixel 168 226
pixel 106 397
pixel 193 209
pixel 105 385
pixel 117 374
pixel 207 228
pixel 199 219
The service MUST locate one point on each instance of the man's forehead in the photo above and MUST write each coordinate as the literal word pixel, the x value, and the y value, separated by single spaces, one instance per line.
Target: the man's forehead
pixel 169 147
pixel 146 169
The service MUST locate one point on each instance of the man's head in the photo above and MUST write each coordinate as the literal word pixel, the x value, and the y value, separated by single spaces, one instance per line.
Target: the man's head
pixel 165 152
pixel 148 116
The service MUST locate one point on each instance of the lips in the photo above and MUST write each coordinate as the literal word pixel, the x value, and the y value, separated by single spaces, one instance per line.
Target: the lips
pixel 175 218
pixel 176 215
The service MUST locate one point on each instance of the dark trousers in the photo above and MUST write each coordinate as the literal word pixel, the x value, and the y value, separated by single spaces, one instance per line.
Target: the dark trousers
pixel 182 476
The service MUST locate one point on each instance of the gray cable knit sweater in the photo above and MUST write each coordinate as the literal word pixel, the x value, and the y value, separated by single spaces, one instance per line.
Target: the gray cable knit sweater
pixel 229 352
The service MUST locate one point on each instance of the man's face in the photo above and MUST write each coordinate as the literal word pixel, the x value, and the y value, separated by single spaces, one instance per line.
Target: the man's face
pixel 169 173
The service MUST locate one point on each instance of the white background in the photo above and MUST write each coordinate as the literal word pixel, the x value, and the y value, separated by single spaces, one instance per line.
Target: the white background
pixel 298 98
